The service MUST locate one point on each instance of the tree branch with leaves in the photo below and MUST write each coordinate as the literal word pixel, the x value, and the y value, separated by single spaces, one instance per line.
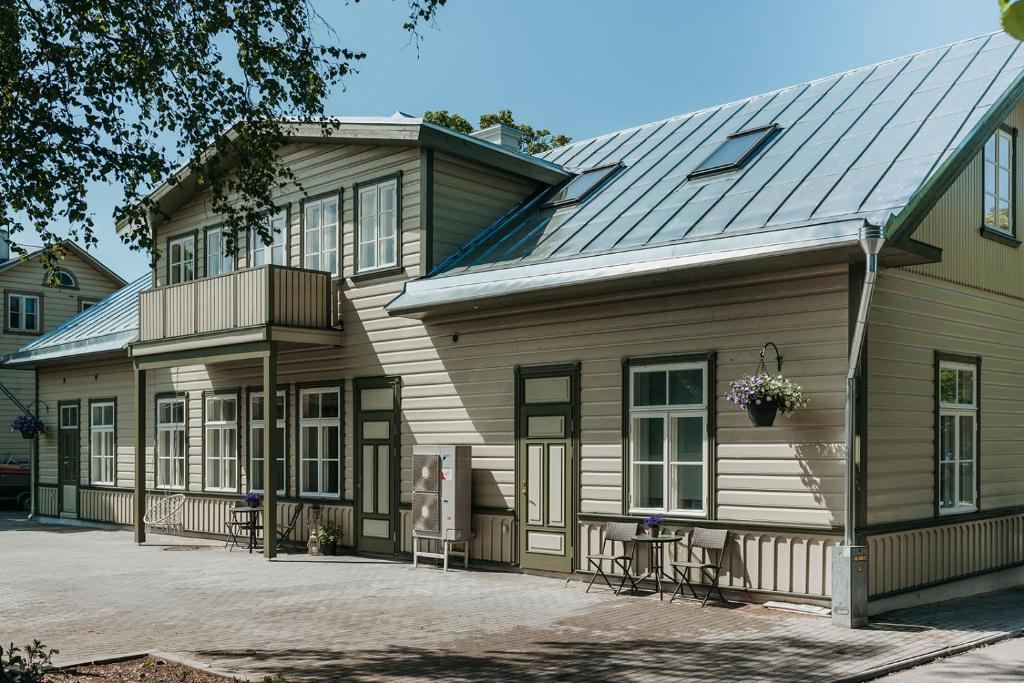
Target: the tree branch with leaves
pixel 106 91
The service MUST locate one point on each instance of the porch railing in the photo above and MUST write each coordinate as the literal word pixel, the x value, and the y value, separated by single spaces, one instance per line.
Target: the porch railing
pixel 266 295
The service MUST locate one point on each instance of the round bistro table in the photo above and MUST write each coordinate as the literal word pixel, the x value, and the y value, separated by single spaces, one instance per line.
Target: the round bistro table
pixel 657 571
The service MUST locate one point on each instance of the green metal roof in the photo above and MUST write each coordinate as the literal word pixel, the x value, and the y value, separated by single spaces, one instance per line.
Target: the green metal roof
pixel 106 326
pixel 851 150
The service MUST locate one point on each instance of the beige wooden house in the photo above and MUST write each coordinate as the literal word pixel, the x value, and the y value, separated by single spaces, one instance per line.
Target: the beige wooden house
pixel 576 318
pixel 30 309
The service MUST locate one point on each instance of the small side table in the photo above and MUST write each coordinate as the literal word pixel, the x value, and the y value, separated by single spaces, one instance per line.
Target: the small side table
pixel 657 571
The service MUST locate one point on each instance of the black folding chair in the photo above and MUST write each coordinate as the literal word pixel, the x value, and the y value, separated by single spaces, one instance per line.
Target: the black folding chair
pixel 712 541
pixel 622 532
pixel 285 530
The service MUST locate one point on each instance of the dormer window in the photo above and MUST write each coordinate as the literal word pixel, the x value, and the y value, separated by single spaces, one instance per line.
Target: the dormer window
pixel 585 182
pixel 66 280
pixel 737 149
pixel 997 198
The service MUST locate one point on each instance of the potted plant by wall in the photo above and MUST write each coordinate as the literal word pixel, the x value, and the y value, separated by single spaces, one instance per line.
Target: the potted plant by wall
pixel 329 535
pixel 29 426
pixel 254 499
pixel 653 524
pixel 764 396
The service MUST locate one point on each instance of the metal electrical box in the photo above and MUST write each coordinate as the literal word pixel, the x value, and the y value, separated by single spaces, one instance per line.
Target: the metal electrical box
pixel 442 492
pixel 850 586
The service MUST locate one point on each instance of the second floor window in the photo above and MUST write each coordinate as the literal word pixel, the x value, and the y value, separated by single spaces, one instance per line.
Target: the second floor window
pixel 217 259
pixel 320 235
pixel 378 226
pixel 997 200
pixel 261 254
pixel 23 313
pixel 181 259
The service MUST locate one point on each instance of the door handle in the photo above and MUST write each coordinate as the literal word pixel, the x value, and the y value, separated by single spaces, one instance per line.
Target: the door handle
pixel 522 488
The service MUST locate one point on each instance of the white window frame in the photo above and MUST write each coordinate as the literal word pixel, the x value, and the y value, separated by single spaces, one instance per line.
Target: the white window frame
pixel 22 323
pixel 993 164
pixel 956 410
pixel 667 413
pixel 368 232
pixel 168 430
pixel 276 253
pixel 314 259
pixel 85 304
pixel 102 450
pixel 223 464
pixel 217 261
pixel 257 437
pixel 322 425
pixel 72 280
pixel 176 270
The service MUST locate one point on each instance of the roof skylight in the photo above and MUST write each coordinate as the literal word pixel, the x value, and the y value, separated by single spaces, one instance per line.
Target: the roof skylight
pixel 735 151
pixel 581 185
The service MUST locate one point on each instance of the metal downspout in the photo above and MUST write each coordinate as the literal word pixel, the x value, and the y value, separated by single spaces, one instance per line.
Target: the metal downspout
pixel 871 240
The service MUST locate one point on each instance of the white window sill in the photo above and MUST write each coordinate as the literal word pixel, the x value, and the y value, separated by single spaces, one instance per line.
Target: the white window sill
pixel 959 510
pixel 668 516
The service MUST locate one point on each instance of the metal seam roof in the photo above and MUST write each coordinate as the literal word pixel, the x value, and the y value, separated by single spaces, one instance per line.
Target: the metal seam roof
pixel 107 325
pixel 855 145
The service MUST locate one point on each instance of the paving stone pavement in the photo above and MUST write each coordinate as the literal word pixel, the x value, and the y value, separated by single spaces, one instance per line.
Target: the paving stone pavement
pixel 93 593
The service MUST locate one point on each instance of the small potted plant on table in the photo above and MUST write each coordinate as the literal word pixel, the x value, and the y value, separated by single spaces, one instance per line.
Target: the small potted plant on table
pixel 653 525
pixel 254 499
pixel 329 535
pixel 29 425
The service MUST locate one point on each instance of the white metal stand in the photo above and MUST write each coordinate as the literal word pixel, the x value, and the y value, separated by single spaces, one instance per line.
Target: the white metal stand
pixel 447 549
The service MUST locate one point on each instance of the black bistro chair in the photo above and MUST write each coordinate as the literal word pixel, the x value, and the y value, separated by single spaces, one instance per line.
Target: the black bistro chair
pixel 285 530
pixel 714 543
pixel 615 532
pixel 238 526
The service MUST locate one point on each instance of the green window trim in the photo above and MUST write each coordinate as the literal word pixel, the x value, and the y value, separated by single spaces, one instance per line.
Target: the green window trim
pixel 999 157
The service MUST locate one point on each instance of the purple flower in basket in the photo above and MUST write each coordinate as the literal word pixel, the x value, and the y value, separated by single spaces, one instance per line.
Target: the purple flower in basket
pixel 254 498
pixel 762 388
pixel 28 425
pixel 653 521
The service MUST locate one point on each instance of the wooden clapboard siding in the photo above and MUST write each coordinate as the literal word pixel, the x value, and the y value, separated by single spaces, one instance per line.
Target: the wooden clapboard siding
pixel 954 225
pixel 467 198
pixel 57 306
pixel 84 382
pixel 912 317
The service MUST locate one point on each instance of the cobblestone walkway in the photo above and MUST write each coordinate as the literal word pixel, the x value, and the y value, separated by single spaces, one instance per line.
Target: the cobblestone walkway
pixel 92 593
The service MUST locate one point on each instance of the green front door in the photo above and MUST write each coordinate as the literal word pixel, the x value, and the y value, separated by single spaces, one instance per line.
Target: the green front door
pixel 69 452
pixel 377 453
pixel 546 470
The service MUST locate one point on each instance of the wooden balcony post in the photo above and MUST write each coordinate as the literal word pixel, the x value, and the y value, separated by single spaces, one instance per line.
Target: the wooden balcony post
pixel 140 455
pixel 270 454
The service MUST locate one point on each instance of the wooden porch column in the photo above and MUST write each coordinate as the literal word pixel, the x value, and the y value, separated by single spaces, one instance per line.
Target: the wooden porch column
pixel 140 454
pixel 270 454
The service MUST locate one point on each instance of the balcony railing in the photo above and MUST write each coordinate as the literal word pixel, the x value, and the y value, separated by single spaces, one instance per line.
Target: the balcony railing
pixel 267 295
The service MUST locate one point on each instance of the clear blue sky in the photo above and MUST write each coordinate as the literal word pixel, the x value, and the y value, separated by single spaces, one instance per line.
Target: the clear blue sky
pixel 586 67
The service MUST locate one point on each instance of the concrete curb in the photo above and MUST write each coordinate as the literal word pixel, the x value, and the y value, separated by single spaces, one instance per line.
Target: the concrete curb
pixel 167 656
pixel 913 662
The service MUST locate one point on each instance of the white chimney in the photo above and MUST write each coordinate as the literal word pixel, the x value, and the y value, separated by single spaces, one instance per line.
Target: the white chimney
pixel 501 135
pixel 5 247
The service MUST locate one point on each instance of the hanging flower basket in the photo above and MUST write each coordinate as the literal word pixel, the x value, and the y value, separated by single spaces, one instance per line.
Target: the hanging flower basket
pixel 29 426
pixel 764 396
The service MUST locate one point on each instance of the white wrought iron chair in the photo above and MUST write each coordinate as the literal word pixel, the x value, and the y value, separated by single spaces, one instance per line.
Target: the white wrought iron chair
pixel 165 515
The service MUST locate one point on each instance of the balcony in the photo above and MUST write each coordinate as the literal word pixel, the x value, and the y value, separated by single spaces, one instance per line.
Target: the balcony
pixel 268 303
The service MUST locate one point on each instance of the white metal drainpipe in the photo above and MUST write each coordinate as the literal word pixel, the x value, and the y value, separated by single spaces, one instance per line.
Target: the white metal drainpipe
pixel 871 241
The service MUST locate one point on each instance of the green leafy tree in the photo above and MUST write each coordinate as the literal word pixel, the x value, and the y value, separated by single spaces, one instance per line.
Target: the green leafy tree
pixel 453 121
pixel 534 141
pixel 108 91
